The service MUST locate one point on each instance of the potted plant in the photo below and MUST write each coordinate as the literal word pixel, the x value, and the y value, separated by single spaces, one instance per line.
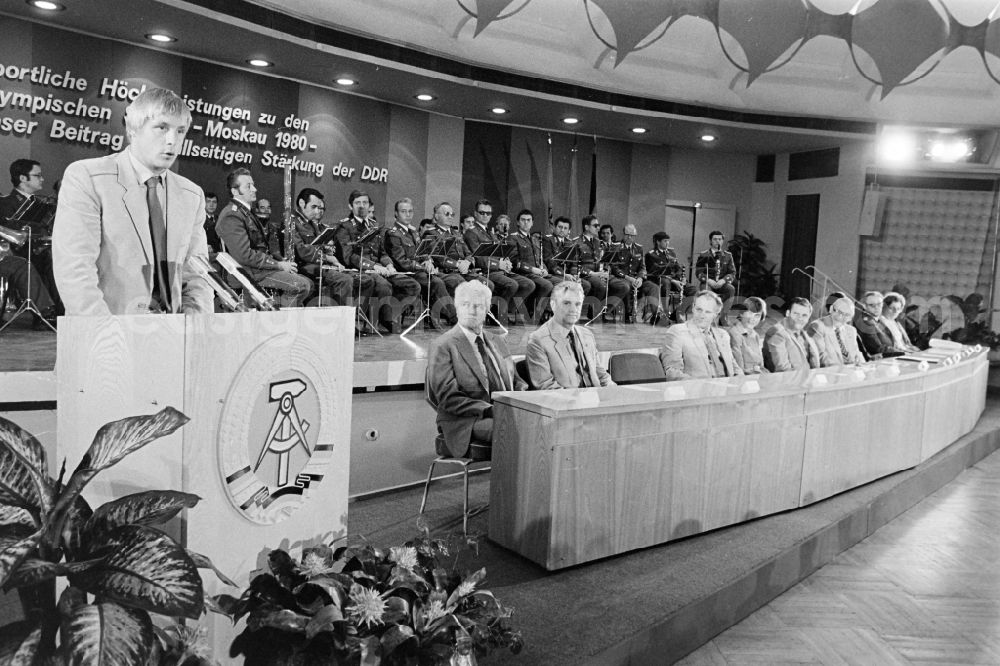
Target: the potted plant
pixel 756 276
pixel 370 606
pixel 121 569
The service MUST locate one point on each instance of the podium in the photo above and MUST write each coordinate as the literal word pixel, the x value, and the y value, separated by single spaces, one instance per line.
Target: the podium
pixel 267 448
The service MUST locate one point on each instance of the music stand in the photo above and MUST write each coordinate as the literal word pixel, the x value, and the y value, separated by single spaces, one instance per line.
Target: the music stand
pixel 429 248
pixel 27 305
pixel 325 237
pixel 609 258
pixel 492 251
pixel 360 242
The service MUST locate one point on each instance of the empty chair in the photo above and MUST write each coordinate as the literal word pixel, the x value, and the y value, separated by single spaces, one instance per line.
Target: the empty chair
pixel 636 368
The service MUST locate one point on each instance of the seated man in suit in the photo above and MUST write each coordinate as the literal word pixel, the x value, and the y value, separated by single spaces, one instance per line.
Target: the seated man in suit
pixel 698 348
pixel 786 346
pixel 560 354
pixel 875 336
pixel 834 336
pixel 465 366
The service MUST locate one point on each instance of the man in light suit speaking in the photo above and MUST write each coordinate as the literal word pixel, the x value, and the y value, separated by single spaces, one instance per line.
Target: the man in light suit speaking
pixel 126 225
pixel 561 354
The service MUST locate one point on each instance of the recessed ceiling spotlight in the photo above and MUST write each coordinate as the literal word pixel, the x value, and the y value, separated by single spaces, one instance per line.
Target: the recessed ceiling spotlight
pixel 345 81
pixel 638 130
pixel 46 5
pixel 424 97
pixel 708 138
pixel 257 62
pixel 499 110
pixel 160 37
pixel 570 120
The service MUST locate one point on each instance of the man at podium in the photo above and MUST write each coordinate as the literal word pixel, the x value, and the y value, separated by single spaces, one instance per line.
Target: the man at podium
pixel 126 225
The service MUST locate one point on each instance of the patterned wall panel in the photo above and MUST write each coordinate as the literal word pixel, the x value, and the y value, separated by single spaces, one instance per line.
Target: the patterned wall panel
pixel 937 242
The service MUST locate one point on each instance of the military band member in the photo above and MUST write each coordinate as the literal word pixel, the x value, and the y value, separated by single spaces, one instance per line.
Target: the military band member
pixel 607 235
pixel 499 270
pixel 456 267
pixel 211 220
pixel 246 240
pixel 603 285
pixel 556 242
pixel 662 266
pixel 401 244
pixel 716 270
pixel 370 257
pixel 645 293
pixel 528 263
pixel 342 286
pixel 501 230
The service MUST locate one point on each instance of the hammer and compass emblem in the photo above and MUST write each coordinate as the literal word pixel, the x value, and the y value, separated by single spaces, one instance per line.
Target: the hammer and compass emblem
pixel 287 429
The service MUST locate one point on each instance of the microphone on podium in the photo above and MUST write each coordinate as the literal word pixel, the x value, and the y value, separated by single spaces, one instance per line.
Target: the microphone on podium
pixel 250 287
pixel 228 297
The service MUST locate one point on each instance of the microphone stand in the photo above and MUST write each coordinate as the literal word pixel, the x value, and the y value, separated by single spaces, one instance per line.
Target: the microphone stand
pixel 361 271
pixel 607 290
pixel 28 305
pixel 427 308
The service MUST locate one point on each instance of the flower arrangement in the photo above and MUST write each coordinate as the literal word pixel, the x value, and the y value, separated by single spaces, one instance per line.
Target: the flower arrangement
pixel 367 605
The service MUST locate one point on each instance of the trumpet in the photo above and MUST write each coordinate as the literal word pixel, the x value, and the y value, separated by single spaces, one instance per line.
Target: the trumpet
pixel 12 236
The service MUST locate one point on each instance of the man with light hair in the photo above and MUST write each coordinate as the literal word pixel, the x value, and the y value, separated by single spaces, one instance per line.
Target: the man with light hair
pixel 834 336
pixel 465 366
pixel 126 225
pixel 561 354
pixel 698 348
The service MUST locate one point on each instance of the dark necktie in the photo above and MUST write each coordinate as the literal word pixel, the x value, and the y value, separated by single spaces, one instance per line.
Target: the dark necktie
pixel 810 362
pixel 492 376
pixel 158 234
pixel 843 347
pixel 714 355
pixel 581 360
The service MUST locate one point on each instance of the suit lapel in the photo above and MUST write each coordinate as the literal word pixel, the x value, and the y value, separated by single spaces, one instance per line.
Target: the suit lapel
pixel 134 198
pixel 505 377
pixel 561 345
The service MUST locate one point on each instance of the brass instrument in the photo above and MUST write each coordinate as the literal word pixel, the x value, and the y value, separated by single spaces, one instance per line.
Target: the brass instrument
pixel 289 254
pixel 10 237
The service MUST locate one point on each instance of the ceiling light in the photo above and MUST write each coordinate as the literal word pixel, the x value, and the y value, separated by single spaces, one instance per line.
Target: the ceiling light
pixel 424 97
pixel 344 81
pixel 257 62
pixel 46 5
pixel 160 37
pixel 499 110
pixel 897 146
pixel 708 138
pixel 570 120
pixel 950 150
pixel 639 130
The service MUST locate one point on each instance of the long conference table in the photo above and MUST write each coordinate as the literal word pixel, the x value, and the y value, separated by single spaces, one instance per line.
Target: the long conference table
pixel 581 474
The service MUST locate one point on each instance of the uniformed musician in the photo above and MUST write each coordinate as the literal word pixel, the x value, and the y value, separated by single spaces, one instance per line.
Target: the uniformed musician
pixel 556 242
pixel 645 295
pixel 716 270
pixel 401 242
pixel 528 264
pixel 663 267
pixel 603 285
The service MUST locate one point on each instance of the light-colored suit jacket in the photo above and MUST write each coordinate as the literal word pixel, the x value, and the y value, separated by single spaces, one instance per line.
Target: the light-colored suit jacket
pixel 783 351
pixel 551 362
pixel 102 254
pixel 822 332
pixel 457 386
pixel 684 354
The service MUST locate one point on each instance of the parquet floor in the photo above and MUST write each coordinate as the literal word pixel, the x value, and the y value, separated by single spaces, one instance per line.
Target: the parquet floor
pixel 925 589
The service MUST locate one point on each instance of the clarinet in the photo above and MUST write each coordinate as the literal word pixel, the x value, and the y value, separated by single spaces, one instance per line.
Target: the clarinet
pixel 289 254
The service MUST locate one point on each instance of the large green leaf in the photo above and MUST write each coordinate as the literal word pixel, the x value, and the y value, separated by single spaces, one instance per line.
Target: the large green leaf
pixel 19 643
pixel 147 508
pixel 24 445
pixel 117 439
pixel 14 520
pixel 13 552
pixel 146 569
pixel 21 485
pixel 107 634
pixel 203 562
pixel 33 571
pixel 74 527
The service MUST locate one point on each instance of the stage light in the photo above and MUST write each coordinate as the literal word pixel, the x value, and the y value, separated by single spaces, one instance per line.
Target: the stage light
pixel 570 120
pixel 897 146
pixel 46 5
pixel 345 81
pixel 499 110
pixel 639 130
pixel 160 37
pixel 424 97
pixel 708 138
pixel 950 150
pixel 257 62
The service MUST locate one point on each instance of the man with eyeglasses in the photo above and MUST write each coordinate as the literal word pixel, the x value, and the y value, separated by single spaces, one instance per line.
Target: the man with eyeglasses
pixel 602 284
pixel 455 267
pixel 834 336
pixel 508 288
pixel 875 337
